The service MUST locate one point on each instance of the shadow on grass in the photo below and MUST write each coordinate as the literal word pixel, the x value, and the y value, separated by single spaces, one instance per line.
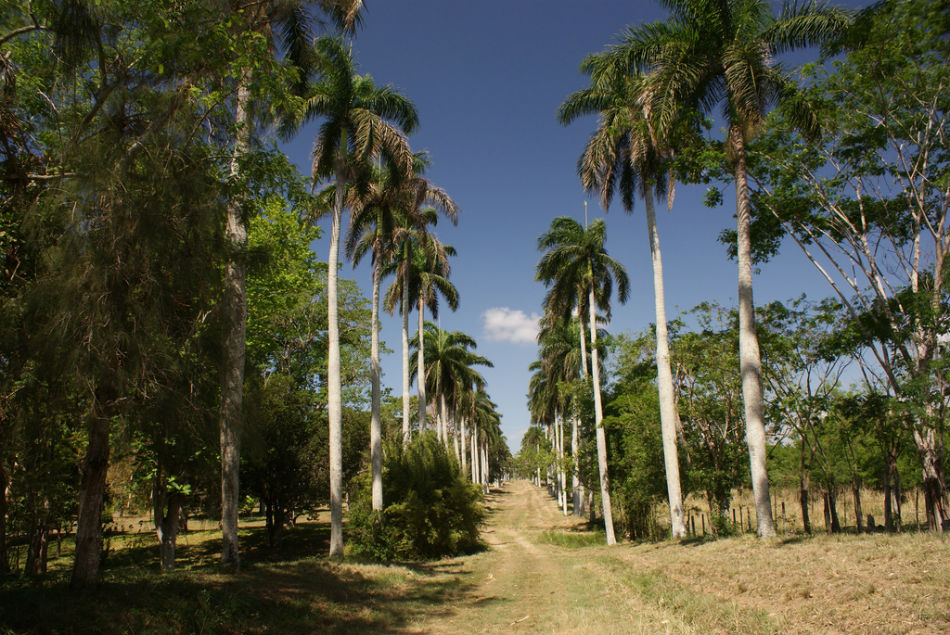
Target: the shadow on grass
pixel 290 588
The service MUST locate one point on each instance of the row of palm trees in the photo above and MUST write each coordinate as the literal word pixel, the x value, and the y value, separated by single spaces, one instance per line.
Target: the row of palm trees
pixel 650 92
pixel 363 160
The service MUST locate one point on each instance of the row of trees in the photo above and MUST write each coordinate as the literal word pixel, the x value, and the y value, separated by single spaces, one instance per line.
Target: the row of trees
pixel 161 306
pixel 850 168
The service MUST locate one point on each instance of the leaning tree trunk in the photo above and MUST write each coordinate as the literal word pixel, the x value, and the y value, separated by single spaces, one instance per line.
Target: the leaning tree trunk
pixel 406 432
pixel 92 487
pixel 232 382
pixel 750 362
pixel 664 379
pixel 600 434
pixel 334 388
pixel 421 369
pixel 375 422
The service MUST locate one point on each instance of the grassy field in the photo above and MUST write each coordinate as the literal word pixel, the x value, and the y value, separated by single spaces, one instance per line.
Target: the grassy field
pixel 542 573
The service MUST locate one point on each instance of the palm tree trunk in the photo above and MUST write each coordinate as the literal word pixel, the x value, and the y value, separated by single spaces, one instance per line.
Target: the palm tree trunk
pixel 444 419
pixel 421 369
pixel 375 424
pixel 464 440
pixel 583 336
pixel 334 387
pixel 664 377
pixel 563 472
pixel 576 487
pixel 598 421
pixel 232 388
pixel 475 452
pixel 749 360
pixel 406 433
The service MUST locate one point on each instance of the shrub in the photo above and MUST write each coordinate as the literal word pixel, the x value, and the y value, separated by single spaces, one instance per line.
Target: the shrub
pixel 432 510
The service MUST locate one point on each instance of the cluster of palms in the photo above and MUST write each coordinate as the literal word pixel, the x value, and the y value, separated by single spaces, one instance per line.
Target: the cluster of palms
pixel 649 91
pixel 362 155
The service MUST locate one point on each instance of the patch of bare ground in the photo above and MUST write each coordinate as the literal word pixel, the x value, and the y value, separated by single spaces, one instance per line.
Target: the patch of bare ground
pixel 878 583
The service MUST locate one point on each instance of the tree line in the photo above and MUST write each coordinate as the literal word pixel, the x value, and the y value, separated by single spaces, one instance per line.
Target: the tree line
pixel 170 343
pixel 848 164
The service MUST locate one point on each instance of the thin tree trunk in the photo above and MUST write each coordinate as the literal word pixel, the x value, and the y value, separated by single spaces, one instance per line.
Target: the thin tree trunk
pixel 421 369
pixel 930 449
pixel 375 421
pixel 406 431
pixel 464 440
pixel 334 397
pixel 4 484
pixel 94 467
pixel 664 378
pixel 444 416
pixel 749 360
pixel 804 480
pixel 576 487
pixel 563 471
pixel 600 434
pixel 858 510
pixel 232 384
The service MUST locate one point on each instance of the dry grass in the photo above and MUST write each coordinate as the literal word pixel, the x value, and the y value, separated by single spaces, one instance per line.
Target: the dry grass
pixel 828 584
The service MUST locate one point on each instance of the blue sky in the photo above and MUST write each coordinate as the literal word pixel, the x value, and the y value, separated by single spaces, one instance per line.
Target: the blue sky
pixel 487 78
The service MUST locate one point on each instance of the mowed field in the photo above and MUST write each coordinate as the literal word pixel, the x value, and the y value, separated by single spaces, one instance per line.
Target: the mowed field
pixel 540 573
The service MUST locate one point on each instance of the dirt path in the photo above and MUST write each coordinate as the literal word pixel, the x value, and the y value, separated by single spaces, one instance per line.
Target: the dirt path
pixel 522 585
pixel 542 574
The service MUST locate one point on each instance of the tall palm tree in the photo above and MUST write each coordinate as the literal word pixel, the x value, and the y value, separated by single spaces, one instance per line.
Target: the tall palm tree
pixel 360 121
pixel 417 250
pixel 723 53
pixel 572 253
pixel 623 153
pixel 391 200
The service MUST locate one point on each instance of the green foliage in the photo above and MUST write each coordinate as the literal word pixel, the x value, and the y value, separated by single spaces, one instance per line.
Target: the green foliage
pixel 432 510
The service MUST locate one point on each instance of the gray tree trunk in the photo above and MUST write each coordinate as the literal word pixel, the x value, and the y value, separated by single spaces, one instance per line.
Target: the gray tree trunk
pixel 750 362
pixel 406 430
pixel 464 440
pixel 375 422
pixel 598 421
pixel 232 385
pixel 421 369
pixel 664 378
pixel 576 487
pixel 334 387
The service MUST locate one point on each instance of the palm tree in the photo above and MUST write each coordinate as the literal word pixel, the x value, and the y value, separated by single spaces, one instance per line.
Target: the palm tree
pixel 624 154
pixel 391 199
pixel 360 121
pixel 707 54
pixel 572 253
pixel 416 247
pixel 560 357
pixel 430 279
pixel 449 365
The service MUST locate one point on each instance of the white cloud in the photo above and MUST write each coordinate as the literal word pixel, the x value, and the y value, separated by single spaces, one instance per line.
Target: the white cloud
pixel 502 324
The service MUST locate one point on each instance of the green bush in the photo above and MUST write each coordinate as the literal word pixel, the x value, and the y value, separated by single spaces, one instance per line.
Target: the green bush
pixel 432 511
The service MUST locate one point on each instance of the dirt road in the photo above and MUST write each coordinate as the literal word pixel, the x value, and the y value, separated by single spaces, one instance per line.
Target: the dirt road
pixel 522 585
